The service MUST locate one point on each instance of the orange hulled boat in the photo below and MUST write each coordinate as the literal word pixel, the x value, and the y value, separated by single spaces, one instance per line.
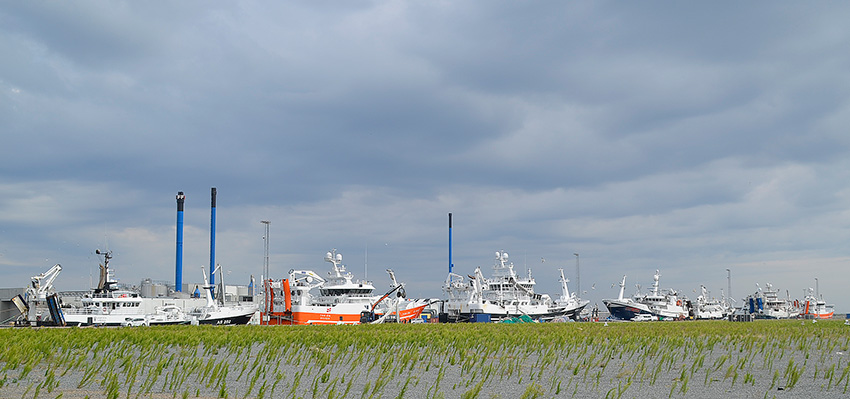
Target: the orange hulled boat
pixel 307 298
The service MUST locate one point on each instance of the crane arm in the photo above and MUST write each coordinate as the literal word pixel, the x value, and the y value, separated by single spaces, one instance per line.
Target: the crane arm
pixel 390 292
pixel 44 281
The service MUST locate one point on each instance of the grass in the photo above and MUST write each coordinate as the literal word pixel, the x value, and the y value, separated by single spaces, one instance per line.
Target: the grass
pixel 540 360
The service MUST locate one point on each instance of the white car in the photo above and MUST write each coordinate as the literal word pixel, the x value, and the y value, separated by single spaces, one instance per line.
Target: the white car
pixel 645 317
pixel 134 322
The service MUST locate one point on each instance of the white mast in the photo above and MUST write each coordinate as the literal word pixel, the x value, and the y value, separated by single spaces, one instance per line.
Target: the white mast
pixel 622 288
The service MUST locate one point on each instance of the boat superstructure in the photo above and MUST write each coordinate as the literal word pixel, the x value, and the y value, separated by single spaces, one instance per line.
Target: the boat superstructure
pixel 505 295
pixel 307 298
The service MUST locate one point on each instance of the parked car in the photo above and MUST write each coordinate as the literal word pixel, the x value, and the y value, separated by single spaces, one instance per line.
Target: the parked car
pixel 134 322
pixel 645 317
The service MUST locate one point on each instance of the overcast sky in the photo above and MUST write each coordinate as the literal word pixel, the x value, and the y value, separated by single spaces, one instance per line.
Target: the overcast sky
pixel 686 137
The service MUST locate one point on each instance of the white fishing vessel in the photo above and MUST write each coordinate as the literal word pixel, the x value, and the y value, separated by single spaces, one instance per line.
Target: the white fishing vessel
pixel 709 308
pixel 307 298
pixel 766 304
pixel 107 305
pixel 569 303
pixel 217 313
pixel 664 304
pixel 505 295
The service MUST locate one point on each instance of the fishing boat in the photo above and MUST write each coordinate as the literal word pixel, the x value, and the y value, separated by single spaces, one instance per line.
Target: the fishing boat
pixel 216 312
pixel 571 305
pixel 664 304
pixel 109 305
pixel 709 308
pixel 306 298
pixel 816 307
pixel 505 295
pixel 766 304
pixel 625 308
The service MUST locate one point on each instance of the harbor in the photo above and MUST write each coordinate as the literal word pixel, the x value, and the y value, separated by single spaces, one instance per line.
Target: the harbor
pixel 304 297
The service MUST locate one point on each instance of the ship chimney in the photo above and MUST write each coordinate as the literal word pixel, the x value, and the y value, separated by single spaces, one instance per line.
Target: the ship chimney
pixel 212 237
pixel 178 275
pixel 450 243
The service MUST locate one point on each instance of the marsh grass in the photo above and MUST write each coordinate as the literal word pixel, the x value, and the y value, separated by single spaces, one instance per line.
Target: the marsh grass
pixel 540 360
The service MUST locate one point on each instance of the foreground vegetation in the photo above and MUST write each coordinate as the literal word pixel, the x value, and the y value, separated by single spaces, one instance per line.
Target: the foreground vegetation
pixel 454 360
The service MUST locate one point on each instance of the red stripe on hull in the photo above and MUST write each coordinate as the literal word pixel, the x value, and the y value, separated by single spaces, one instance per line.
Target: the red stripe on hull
pixel 309 318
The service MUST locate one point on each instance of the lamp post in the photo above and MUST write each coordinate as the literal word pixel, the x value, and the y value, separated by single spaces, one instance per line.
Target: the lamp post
pixel 266 251
pixel 729 285
pixel 817 289
pixel 578 275
pixel 265 279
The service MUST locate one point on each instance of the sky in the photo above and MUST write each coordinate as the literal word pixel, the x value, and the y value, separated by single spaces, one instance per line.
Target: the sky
pixel 691 138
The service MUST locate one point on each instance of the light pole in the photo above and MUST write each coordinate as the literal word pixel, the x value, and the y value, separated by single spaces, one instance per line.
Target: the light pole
pixel 817 289
pixel 265 279
pixel 729 285
pixel 578 275
pixel 266 251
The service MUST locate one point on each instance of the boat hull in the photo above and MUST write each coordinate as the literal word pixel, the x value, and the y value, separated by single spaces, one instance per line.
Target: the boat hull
pixel 228 320
pixel 498 313
pixel 106 320
pixel 169 323
pixel 338 314
pixel 625 310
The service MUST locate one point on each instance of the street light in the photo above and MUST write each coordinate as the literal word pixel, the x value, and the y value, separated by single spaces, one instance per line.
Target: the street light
pixel 817 289
pixel 578 275
pixel 266 251
pixel 266 305
pixel 729 285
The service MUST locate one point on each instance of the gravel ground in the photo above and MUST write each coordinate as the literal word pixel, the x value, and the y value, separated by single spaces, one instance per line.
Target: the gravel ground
pixel 314 372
